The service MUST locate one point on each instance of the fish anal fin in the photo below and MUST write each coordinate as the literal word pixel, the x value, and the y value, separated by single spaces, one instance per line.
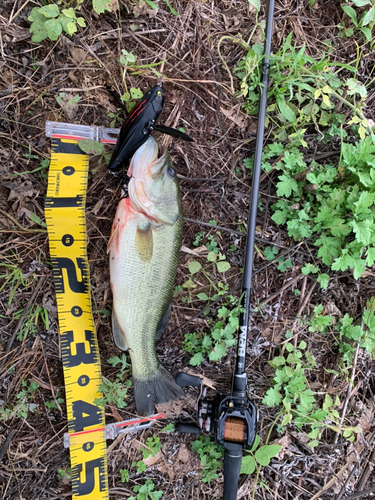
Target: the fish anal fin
pixel 144 241
pixel 118 333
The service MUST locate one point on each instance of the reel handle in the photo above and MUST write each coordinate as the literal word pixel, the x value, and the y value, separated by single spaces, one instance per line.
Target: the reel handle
pixel 188 428
pixel 185 380
pixel 232 467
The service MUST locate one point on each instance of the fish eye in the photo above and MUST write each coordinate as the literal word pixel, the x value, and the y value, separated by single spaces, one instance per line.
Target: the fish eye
pixel 170 172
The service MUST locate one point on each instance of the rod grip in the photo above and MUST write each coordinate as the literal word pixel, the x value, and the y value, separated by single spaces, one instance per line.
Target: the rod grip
pixel 232 467
pixel 185 380
pixel 188 428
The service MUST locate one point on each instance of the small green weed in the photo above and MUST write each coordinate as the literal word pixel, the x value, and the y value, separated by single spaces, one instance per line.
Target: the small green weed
pixel 51 405
pixel 125 475
pixel 146 492
pixel 258 456
pixel 222 335
pixel 362 24
pixel 23 405
pixel 290 388
pixel 348 333
pixel 34 319
pixel 115 392
pixel 51 20
pixel 150 449
pixel 130 98
pixel 65 473
pixel 210 455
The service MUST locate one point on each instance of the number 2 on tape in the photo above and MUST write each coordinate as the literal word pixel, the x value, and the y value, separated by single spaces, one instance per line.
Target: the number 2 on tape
pixel 65 217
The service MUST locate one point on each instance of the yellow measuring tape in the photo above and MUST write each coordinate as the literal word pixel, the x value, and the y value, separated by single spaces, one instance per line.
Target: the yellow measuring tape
pixel 65 218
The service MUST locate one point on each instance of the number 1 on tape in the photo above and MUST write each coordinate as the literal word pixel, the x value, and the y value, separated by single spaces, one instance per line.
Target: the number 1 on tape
pixel 65 218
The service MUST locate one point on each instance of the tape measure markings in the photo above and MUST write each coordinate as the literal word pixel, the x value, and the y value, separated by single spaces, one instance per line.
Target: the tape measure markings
pixel 66 224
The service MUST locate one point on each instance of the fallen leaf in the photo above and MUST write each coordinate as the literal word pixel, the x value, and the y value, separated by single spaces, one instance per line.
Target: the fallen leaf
pixel 237 117
pixel 206 381
pixel 78 55
pixel 195 251
pixel 167 470
pixel 183 453
pixel 174 408
pixel 285 442
pixel 152 460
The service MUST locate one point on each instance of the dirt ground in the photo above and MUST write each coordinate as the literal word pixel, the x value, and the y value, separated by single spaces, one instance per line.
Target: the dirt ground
pixel 215 186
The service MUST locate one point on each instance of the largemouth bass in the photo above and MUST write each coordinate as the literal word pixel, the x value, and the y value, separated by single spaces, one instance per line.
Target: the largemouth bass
pixel 144 250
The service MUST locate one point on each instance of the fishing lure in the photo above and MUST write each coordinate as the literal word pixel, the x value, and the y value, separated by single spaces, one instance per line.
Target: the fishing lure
pixel 138 125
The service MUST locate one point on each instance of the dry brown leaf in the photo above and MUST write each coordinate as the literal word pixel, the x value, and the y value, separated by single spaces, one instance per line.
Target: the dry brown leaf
pixel 285 442
pixel 240 119
pixel 152 460
pixel 167 469
pixel 174 408
pixel 24 190
pixel 192 252
pixel 183 453
pixel 78 55
pixel 206 381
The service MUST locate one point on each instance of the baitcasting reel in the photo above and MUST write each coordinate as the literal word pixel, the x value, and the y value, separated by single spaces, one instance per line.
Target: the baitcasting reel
pixel 232 419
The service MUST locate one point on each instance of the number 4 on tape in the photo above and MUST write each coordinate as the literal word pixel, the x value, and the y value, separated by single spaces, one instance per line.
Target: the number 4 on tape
pixel 65 217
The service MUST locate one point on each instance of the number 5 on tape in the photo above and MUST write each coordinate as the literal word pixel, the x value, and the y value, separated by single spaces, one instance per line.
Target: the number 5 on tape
pixel 65 217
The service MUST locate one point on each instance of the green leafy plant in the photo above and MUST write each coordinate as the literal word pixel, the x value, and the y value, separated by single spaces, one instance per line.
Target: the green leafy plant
pixel 23 402
pixel 32 321
pixel 115 392
pixel 124 475
pixel 290 388
pixel 349 334
pixel 131 97
pixel 146 492
pixel 149 449
pixel 214 345
pixel 210 455
pixel 258 456
pixel 49 22
pixel 65 473
pixel 363 23
pixel 52 405
pixel 303 90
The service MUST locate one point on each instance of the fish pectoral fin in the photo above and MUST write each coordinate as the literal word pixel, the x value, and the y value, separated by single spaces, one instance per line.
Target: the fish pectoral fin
pixel 144 241
pixel 118 333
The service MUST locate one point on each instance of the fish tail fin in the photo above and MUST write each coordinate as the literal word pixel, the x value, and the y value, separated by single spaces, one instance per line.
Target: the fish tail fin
pixel 160 388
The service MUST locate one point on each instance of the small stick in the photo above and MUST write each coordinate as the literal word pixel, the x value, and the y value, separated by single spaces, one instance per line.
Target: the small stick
pixel 6 443
pixel 349 392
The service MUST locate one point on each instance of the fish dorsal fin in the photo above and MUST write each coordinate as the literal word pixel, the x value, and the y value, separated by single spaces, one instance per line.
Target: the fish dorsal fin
pixel 144 240
pixel 118 333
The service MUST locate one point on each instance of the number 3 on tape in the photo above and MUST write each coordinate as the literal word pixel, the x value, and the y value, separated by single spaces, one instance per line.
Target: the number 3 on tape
pixel 65 217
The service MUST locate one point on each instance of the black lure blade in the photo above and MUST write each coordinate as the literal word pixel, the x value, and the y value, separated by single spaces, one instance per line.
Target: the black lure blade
pixel 137 127
pixel 173 132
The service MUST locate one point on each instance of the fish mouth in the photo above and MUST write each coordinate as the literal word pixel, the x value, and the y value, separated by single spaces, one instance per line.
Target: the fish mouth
pixel 147 160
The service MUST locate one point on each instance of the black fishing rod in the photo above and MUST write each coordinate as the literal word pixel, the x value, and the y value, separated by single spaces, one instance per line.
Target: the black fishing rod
pixel 233 418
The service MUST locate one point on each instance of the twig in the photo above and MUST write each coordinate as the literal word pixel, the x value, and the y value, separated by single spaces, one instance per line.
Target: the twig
pixel 361 493
pixel 287 285
pixel 19 324
pixel 6 443
pixel 355 465
pixel 20 226
pixel 349 392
